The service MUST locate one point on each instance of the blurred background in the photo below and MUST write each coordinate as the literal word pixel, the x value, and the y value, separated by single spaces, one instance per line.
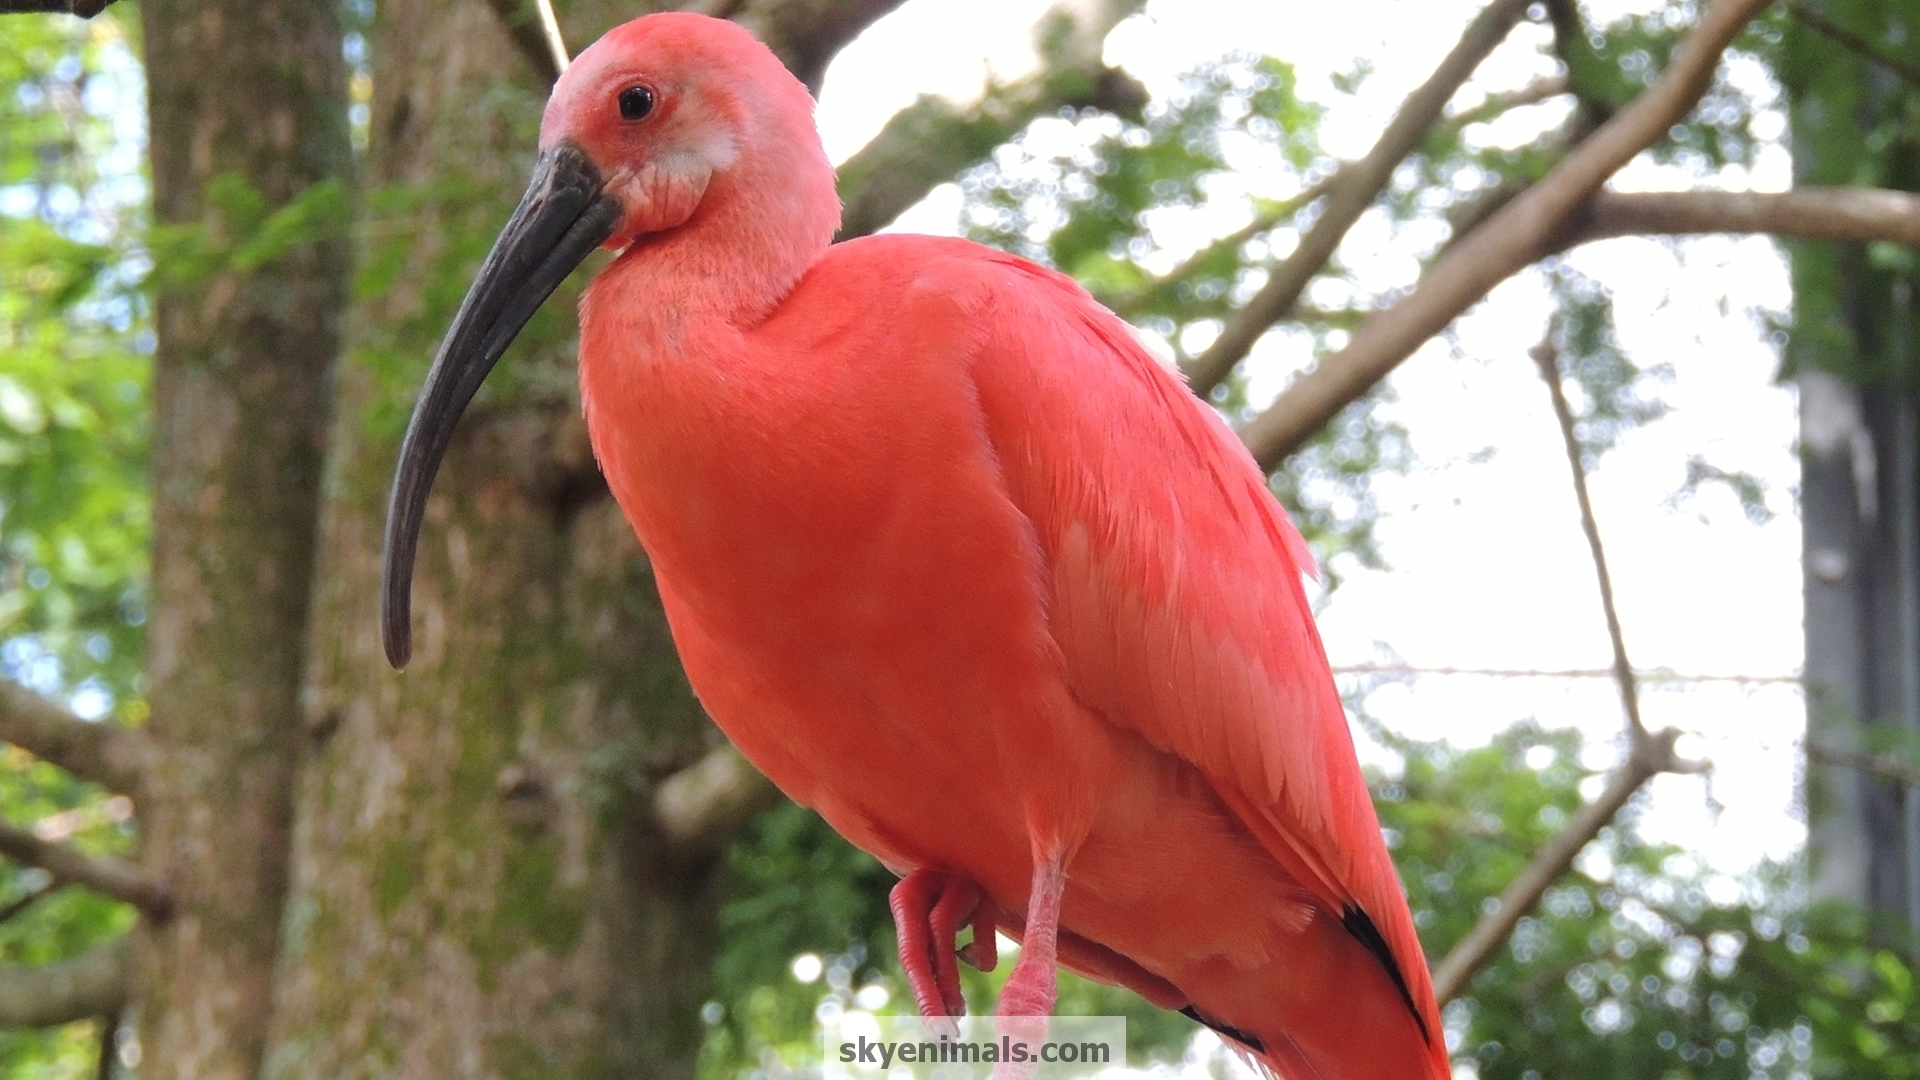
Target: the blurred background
pixel 236 845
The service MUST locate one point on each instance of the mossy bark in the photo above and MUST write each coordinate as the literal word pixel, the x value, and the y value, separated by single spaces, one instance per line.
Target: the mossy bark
pixel 478 888
pixel 252 91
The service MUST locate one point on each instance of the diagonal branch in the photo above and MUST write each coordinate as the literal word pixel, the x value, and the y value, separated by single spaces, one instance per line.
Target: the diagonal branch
pixel 523 25
pixel 1648 758
pixel 104 753
pixel 1907 70
pixel 1547 356
pixel 1513 238
pixel 1648 754
pixel 1353 189
pixel 930 141
pixel 703 806
pixel 93 984
pixel 104 874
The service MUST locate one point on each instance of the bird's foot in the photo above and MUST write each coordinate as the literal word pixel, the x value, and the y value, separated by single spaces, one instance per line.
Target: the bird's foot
pixel 929 907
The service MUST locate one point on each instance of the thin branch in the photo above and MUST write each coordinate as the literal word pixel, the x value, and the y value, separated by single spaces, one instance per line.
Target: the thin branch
pixel 1855 43
pixel 1547 356
pixel 1513 238
pixel 18 907
pixel 550 29
pixel 1853 215
pixel 93 984
pixel 523 26
pixel 86 9
pixel 1354 189
pixel 105 875
pixel 102 752
pixel 1266 220
pixel 1648 758
pixel 1648 754
pixel 1496 105
pixel 703 806
pixel 1887 768
pixel 109 1047
pixel 1272 216
pixel 932 140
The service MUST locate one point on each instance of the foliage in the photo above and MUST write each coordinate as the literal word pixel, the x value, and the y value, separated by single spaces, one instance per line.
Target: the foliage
pixel 74 510
pixel 1642 962
pixel 1855 122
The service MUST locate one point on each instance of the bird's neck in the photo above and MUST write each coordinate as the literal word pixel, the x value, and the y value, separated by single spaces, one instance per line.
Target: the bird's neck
pixel 740 254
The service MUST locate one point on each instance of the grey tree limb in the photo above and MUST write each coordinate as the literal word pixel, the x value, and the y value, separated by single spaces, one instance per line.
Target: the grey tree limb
pixel 104 753
pixel 1352 190
pixel 93 984
pixel 104 874
pixel 702 807
pixel 1853 215
pixel 1520 233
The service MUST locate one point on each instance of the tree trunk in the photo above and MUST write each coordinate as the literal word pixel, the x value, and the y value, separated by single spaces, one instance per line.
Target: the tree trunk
pixel 479 888
pixel 247 95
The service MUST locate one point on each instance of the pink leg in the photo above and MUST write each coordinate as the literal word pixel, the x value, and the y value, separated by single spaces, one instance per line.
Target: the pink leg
pixel 1027 1001
pixel 1032 989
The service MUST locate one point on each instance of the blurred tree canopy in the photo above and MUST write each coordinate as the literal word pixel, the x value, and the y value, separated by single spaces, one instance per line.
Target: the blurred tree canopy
pixel 1640 962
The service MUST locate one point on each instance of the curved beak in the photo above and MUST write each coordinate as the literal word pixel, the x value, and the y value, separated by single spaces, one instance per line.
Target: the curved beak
pixel 564 215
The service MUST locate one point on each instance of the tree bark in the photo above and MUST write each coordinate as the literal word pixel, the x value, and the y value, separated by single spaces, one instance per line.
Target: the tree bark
pixel 480 887
pixel 246 97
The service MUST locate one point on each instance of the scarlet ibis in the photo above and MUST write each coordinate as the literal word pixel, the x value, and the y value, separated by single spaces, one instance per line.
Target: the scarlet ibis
pixel 953 560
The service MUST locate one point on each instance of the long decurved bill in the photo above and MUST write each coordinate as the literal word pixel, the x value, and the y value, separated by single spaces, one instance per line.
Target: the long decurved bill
pixel 563 217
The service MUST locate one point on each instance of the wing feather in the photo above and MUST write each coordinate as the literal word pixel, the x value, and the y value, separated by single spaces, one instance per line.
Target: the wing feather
pixel 1176 594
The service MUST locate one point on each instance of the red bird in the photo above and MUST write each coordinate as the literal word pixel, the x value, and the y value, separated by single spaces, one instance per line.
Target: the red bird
pixel 955 562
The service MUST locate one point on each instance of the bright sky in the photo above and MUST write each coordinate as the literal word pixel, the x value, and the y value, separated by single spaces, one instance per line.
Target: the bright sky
pixel 1490 569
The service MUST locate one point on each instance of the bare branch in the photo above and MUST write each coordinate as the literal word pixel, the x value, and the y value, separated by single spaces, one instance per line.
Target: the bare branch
pixel 1547 356
pixel 104 753
pixel 550 30
pixel 1264 221
pixel 105 875
pixel 86 9
pixel 1887 768
pixel 703 806
pixel 19 906
pixel 93 984
pixel 1854 215
pixel 1353 190
pixel 1514 237
pixel 1649 757
pixel 522 24
pixel 930 141
pixel 1542 89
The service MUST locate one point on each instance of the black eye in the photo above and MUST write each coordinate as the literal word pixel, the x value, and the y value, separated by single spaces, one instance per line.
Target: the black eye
pixel 635 102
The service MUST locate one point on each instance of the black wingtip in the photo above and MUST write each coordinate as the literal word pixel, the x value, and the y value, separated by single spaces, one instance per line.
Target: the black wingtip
pixel 1360 925
pixel 1230 1032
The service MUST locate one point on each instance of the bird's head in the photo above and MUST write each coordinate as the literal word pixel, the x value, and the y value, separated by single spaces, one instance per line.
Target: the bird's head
pixel 670 124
